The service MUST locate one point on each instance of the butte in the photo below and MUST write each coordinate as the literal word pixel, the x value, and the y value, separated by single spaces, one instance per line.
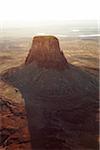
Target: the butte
pixel 60 99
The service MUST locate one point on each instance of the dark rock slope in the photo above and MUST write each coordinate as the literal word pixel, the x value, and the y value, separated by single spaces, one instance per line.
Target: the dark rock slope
pixel 61 100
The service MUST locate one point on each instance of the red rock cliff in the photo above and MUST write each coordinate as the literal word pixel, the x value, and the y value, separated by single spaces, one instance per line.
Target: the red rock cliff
pixel 45 51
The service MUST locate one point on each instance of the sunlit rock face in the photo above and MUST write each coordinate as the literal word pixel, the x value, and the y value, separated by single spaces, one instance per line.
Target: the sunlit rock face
pixel 45 51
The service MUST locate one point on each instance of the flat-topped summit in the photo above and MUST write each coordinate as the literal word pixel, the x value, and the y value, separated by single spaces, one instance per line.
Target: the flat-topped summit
pixel 45 51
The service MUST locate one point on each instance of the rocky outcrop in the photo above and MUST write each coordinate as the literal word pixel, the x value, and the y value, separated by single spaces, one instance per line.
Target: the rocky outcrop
pixel 14 132
pixel 45 51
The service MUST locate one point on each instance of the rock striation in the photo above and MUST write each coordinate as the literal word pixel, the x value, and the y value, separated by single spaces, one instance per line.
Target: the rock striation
pixel 45 51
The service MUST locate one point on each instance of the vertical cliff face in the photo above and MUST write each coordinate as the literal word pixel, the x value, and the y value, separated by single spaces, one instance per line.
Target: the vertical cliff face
pixel 45 51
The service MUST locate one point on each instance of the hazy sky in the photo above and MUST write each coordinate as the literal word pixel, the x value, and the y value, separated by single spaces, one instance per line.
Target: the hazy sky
pixel 17 12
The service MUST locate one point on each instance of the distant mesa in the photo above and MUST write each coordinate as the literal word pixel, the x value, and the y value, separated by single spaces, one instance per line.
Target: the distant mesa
pixel 45 51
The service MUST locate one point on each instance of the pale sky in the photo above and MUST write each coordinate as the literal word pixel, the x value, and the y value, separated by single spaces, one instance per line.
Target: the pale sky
pixel 17 11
